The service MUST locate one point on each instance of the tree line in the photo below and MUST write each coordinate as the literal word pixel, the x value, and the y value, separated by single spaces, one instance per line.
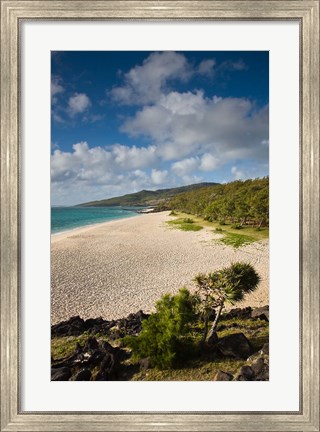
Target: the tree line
pixel 238 202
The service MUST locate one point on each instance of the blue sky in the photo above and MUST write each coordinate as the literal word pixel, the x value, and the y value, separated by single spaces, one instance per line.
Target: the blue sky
pixel 127 121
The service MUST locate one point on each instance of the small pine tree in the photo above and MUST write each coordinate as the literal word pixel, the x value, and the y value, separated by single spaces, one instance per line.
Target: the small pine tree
pixel 164 335
pixel 228 285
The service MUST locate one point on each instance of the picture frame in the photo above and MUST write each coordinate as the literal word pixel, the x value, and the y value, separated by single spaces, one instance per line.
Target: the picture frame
pixel 12 14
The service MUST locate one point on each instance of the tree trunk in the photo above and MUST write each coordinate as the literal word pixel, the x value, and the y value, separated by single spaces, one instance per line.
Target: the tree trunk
pixel 215 322
pixel 244 221
pixel 205 330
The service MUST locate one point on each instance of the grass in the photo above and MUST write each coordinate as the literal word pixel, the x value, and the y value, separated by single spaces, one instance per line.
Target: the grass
pixel 202 366
pixel 64 346
pixel 200 370
pixel 236 240
pixel 231 235
pixel 185 224
pixel 205 367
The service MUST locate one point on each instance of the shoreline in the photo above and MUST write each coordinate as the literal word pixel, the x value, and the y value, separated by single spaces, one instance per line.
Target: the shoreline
pixel 115 268
pixel 83 228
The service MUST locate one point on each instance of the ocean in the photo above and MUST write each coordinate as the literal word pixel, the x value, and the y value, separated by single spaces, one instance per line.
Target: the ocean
pixel 67 218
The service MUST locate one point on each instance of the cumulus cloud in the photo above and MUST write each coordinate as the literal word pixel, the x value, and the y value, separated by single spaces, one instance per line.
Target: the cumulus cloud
pixel 209 162
pixel 185 166
pixel 78 103
pixel 159 177
pixel 182 124
pixel 116 169
pixel 145 83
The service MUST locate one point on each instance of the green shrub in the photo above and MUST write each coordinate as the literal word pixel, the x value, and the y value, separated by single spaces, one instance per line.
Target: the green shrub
pixel 172 213
pixel 222 222
pixel 219 229
pixel 165 335
pixel 237 227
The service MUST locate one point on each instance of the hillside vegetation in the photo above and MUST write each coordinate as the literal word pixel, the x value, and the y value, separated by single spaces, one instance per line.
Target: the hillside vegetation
pixel 146 197
pixel 239 203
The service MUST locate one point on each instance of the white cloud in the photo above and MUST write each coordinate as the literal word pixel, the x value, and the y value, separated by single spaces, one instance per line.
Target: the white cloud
pixel 238 174
pixel 208 162
pixel 238 65
pixel 185 166
pixel 182 124
pixel 85 173
pixel 78 103
pixel 56 87
pixel 134 157
pixel 144 84
pixel 159 177
pixel 206 67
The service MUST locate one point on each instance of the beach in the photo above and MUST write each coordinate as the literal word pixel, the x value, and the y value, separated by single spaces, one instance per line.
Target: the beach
pixel 116 268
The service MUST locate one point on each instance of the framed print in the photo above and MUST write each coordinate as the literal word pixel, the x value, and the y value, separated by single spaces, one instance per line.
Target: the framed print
pixel 148 163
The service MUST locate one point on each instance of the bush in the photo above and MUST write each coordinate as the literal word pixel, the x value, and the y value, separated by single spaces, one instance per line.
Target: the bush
pixel 219 229
pixel 222 222
pixel 172 213
pixel 237 227
pixel 165 337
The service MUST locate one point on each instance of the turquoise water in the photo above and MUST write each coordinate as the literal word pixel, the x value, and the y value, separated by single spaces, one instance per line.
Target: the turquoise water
pixel 66 218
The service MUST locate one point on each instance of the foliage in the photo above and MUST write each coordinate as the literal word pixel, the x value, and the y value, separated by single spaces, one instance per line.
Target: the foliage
pixel 164 335
pixel 239 202
pixel 228 285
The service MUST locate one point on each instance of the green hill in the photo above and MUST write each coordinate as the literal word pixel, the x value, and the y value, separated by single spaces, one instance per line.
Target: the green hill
pixel 146 197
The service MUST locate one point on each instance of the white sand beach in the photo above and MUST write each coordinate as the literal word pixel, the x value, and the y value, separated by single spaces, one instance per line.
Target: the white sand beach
pixel 116 268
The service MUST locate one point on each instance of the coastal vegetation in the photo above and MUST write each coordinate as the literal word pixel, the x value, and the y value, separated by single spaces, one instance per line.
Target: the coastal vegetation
pixel 238 203
pixel 174 341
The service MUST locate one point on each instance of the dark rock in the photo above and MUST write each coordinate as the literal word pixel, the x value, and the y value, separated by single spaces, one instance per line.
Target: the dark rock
pixel 83 375
pixel 73 327
pixel 213 339
pixel 258 366
pixel 91 344
pixel 261 313
pixel 223 376
pixel 116 334
pixel 107 347
pixel 107 368
pixel 144 364
pixel 60 374
pixel 238 313
pixel 245 374
pixel 78 349
pixel 140 315
pixel 235 345
pixel 264 375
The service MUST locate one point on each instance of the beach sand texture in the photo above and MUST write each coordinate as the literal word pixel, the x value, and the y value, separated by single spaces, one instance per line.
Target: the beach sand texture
pixel 116 268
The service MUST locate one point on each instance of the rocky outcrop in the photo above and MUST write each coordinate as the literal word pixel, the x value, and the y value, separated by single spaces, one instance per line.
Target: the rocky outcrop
pixel 96 359
pixel 115 329
pixel 235 345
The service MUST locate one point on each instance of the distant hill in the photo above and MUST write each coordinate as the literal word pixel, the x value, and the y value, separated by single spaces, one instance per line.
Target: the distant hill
pixel 146 197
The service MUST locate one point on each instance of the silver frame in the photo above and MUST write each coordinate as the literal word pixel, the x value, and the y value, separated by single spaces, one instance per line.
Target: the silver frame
pixel 304 11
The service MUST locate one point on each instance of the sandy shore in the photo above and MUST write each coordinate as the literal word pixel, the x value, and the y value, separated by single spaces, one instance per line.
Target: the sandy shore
pixel 119 267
